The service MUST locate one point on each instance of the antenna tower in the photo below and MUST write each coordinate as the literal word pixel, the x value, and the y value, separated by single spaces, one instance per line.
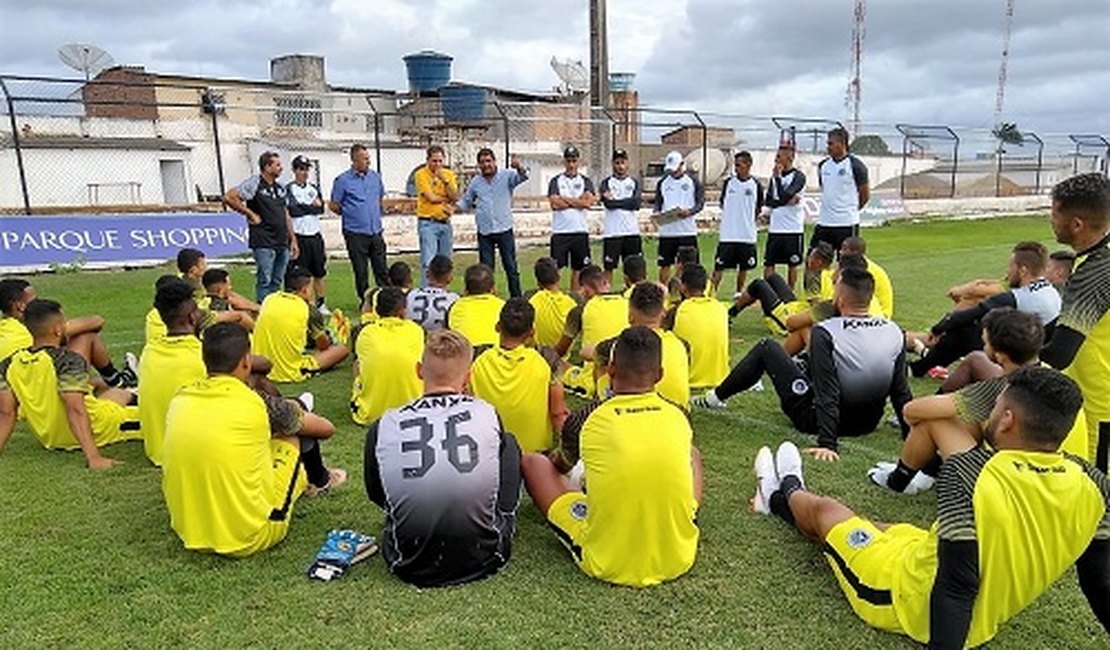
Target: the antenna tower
pixel 852 98
pixel 1007 29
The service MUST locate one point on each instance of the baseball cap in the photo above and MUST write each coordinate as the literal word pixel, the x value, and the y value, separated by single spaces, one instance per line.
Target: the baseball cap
pixel 619 154
pixel 301 162
pixel 786 144
pixel 672 162
pixel 570 152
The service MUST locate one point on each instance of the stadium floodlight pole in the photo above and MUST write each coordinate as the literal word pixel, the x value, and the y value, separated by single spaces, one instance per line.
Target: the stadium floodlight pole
pixel 18 149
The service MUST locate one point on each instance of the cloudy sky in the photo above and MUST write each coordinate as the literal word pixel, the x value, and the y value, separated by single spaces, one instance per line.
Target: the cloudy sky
pixel 925 60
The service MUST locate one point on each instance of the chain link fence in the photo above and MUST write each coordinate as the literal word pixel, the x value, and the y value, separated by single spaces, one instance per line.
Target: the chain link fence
pixel 131 141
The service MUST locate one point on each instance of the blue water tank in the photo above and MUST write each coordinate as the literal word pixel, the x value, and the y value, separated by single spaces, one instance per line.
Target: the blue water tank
pixel 427 71
pixel 619 81
pixel 463 103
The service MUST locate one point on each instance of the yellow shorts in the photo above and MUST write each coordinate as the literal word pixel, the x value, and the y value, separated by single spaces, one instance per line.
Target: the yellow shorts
pixel 289 484
pixel 112 422
pixel 567 515
pixel 776 322
pixel 579 380
pixel 864 560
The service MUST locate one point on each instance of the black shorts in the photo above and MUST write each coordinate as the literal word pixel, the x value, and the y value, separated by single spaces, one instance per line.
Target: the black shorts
pixel 571 249
pixel 313 258
pixel 734 255
pixel 668 248
pixel 615 249
pixel 783 248
pixel 835 235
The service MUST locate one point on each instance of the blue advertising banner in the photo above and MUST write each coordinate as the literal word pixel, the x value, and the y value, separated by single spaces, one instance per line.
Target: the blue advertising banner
pixel 43 241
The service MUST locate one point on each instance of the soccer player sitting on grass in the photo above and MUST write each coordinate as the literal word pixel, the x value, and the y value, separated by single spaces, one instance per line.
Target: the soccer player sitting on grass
pixel 192 264
pixel 428 305
pixel 399 276
pixel 601 315
pixel 884 290
pixel 82 335
pixel 799 326
pixel 446 474
pixel 645 309
pixel 638 524
pixel 475 314
pixel 855 362
pixel 701 321
pixel 634 268
pixel 1011 339
pixel 777 299
pixel 155 328
pixel 231 470
pixel 517 381
pixel 388 351
pixel 50 383
pixel 1012 517
pixel 287 319
pixel 551 304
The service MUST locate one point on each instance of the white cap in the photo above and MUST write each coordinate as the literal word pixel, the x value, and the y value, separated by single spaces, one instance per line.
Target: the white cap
pixel 672 162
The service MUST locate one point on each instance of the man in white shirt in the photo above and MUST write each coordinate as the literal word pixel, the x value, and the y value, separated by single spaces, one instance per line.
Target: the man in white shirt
pixel 570 194
pixel 305 207
pixel 680 192
pixel 741 201
pixel 620 194
pixel 786 230
pixel 844 192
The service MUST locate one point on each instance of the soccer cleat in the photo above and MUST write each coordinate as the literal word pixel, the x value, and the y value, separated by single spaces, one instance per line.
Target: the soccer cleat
pixel 336 477
pixel 757 387
pixel 880 473
pixel 766 481
pixel 709 402
pixel 307 400
pixel 128 376
pixel 788 461
pixel 921 482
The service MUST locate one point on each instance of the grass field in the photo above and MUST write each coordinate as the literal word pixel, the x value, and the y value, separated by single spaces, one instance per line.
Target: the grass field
pixel 88 559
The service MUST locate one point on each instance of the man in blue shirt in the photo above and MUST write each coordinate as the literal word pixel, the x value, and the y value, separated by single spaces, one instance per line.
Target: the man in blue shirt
pixel 491 195
pixel 356 196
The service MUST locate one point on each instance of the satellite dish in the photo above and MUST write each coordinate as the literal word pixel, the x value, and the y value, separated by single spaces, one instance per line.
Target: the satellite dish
pixel 85 58
pixel 573 74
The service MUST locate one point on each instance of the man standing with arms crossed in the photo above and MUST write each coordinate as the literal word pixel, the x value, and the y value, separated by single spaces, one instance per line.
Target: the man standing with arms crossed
pixel 437 190
pixel 680 192
pixel 844 192
pixel 741 202
pixel 570 194
pixel 786 231
pixel 262 199
pixel 490 194
pixel 620 194
pixel 356 196
pixel 305 208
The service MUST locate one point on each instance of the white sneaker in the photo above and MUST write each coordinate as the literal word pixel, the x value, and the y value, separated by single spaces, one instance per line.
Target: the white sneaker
pixel 577 475
pixel 324 311
pixel 757 387
pixel 880 473
pixel 766 481
pixel 788 461
pixel 308 401
pixel 921 482
pixel 132 362
pixel 709 401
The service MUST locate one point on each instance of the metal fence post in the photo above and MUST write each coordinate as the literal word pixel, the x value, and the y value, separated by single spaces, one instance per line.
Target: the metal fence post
pixel 902 176
pixel 219 157
pixel 704 148
pixel 18 148
pixel 955 161
pixel 504 125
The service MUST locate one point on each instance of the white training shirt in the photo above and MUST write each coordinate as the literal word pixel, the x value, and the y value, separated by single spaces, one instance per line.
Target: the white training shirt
pixel 569 220
pixel 621 221
pixel 740 203
pixel 681 192
pixel 786 219
pixel 839 190
pixel 308 224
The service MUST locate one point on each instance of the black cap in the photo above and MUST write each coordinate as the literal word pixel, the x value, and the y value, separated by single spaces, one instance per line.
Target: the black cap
pixel 620 153
pixel 301 162
pixel 570 152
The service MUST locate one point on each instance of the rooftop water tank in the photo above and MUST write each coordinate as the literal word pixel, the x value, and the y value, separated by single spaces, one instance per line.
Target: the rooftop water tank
pixel 462 103
pixel 428 71
pixel 619 81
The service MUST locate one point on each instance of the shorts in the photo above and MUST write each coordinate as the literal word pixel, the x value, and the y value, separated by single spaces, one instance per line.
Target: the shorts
pixel 571 249
pixel 835 235
pixel 783 248
pixel 615 249
pixel 734 255
pixel 567 515
pixel 579 380
pixel 668 248
pixel 864 560
pixel 112 422
pixel 313 257
pixel 776 322
pixel 289 483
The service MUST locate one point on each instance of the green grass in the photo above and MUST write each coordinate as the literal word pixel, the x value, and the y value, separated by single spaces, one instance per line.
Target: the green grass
pixel 88 559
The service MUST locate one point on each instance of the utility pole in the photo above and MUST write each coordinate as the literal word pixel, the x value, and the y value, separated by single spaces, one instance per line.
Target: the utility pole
pixel 599 55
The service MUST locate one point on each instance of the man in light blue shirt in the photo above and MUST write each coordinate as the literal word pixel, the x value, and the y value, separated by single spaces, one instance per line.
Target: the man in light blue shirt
pixel 356 196
pixel 491 195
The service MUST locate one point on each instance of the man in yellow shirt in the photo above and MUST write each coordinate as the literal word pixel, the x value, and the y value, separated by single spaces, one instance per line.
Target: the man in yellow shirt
pixel 437 191
pixel 192 265
pixel 516 380
pixel 601 315
pixel 230 488
pixel 287 325
pixel 634 269
pixel 884 290
pixel 154 328
pixel 50 384
pixel 388 351
pixel 551 304
pixel 637 526
pixel 1018 502
pixel 645 309
pixel 475 314
pixel 168 362
pixel 701 322
pixel 13 333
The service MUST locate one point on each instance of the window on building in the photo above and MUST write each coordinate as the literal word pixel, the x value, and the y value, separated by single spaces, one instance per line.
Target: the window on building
pixel 301 112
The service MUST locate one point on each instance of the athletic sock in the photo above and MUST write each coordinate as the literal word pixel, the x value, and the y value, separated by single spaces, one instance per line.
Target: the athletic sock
pixel 900 477
pixel 320 301
pixel 932 468
pixel 733 311
pixel 313 462
pixel 780 498
pixel 109 373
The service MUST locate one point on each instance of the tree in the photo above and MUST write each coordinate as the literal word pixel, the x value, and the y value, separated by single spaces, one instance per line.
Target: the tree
pixel 870 145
